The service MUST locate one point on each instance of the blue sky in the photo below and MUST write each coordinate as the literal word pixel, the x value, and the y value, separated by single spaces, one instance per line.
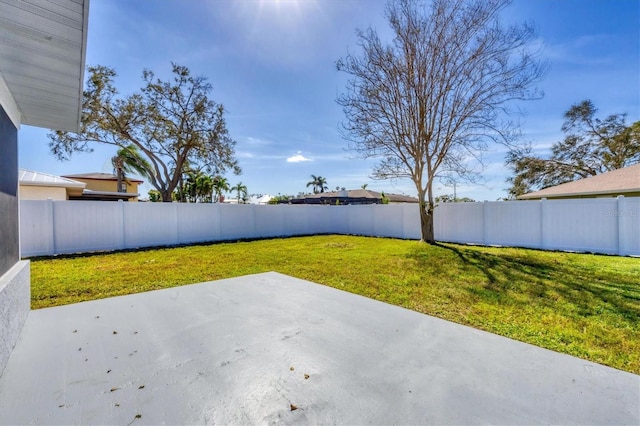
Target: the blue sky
pixel 272 64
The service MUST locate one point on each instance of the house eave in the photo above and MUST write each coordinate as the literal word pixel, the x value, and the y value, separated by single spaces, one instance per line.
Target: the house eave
pixel 536 196
pixel 42 59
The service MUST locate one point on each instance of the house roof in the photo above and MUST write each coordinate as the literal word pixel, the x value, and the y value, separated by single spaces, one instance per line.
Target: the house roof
pixel 264 199
pixel 615 182
pixel 42 57
pixel 100 176
pixel 364 194
pixel 31 178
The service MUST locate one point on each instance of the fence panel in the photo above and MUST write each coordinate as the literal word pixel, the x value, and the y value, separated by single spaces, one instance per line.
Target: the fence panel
pixel 84 227
pixel 411 222
pixel 150 224
pixel 388 220
pixel 36 228
pixel 335 219
pixel 581 225
pixel 459 223
pixel 198 222
pixel 269 221
pixel 237 221
pixel 297 220
pixel 512 224
pixel 361 221
pixel 628 215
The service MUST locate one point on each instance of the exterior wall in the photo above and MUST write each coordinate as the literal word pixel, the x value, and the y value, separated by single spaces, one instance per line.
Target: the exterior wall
pixel 15 303
pixel 108 185
pixel 593 225
pixel 9 248
pixel 14 275
pixel 29 192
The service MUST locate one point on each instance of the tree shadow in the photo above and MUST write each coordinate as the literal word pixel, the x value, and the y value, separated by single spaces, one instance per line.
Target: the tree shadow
pixel 543 280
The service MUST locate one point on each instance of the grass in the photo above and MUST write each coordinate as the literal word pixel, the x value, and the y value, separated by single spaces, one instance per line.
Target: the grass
pixel 579 304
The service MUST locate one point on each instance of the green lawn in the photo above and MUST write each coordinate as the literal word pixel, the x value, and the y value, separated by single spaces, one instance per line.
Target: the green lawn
pixel 579 304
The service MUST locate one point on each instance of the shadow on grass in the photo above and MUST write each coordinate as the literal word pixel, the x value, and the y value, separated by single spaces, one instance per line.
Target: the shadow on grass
pixel 544 281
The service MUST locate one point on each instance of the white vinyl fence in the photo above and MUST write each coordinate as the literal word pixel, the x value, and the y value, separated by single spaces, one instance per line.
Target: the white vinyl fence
pixel 605 225
pixel 599 225
pixel 55 227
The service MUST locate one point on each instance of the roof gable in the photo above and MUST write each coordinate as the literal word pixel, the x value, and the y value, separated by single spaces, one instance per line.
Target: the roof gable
pixel 31 178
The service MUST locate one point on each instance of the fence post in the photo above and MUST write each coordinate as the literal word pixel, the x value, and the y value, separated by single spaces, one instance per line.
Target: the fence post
pixel 219 207
pixel 402 218
pixel 51 247
pixel 485 223
pixel 123 231
pixel 177 223
pixel 619 223
pixel 543 212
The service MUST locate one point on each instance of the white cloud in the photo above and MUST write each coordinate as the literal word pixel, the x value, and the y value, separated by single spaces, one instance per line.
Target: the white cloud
pixel 257 141
pixel 298 158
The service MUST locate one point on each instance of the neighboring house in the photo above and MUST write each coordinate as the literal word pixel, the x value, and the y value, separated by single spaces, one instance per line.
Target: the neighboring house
pixel 104 187
pixel 43 186
pixel 353 196
pixel 625 181
pixel 262 199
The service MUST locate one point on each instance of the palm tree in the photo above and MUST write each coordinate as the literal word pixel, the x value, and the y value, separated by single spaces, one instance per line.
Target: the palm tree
pixel 129 160
pixel 198 187
pixel 204 188
pixel 241 191
pixel 220 185
pixel 318 183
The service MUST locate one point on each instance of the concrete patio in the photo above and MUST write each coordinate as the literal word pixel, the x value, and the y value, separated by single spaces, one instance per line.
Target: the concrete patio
pixel 269 348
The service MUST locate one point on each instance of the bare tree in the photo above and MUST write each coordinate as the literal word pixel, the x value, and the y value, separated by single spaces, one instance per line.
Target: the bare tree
pixel 434 98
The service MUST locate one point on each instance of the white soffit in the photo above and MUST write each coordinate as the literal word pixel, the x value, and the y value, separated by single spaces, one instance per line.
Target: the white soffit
pixel 42 55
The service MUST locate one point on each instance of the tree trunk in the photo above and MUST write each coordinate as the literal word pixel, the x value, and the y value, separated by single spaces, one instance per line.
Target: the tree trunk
pixel 119 181
pixel 426 222
pixel 166 196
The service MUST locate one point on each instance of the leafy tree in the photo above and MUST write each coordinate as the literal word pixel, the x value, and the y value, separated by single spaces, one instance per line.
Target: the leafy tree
pixel 448 198
pixel 241 191
pixel 220 185
pixel 174 124
pixel 591 146
pixel 198 187
pixel 128 160
pixel 433 99
pixel 364 186
pixel 155 196
pixel 384 198
pixel 318 183
pixel 280 199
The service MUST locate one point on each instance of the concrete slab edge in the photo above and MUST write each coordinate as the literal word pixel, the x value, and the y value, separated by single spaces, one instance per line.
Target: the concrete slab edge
pixel 15 304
